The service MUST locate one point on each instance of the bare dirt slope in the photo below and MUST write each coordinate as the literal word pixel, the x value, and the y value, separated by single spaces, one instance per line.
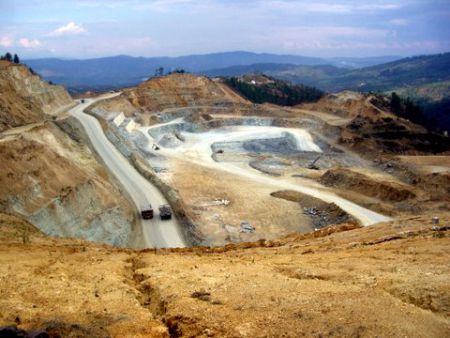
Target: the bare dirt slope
pixel 173 93
pixel 386 280
pixel 25 98
pixel 56 184
pixel 348 104
pixel 374 129
pixel 178 90
pixel 48 174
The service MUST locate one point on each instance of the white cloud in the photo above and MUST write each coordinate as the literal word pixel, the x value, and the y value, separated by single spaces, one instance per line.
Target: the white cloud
pixel 6 41
pixel 301 38
pixel 26 43
pixel 70 29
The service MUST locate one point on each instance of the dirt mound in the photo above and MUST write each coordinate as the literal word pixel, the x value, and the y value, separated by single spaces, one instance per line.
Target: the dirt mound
pixel 177 90
pixel 391 135
pixel 321 213
pixel 350 180
pixel 349 104
pixel 437 184
pixel 25 98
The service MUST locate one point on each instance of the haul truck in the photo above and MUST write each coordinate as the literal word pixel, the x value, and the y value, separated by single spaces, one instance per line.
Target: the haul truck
pixel 147 211
pixel 165 212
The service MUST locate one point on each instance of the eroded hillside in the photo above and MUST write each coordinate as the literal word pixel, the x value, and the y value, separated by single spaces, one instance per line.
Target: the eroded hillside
pixel 48 174
pixel 386 280
pixel 25 98
pixel 173 91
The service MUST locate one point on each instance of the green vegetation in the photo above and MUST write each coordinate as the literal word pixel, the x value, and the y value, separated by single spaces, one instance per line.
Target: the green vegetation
pixel 408 109
pixel 433 116
pixel 408 72
pixel 274 91
pixel 8 57
pixel 178 71
pixel 424 80
pixel 159 71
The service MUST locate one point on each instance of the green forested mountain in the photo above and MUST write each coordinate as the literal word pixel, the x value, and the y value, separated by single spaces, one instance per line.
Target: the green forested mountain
pixel 273 91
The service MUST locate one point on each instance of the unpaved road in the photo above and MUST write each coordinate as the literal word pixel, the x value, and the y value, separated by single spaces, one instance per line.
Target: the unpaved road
pixel 157 233
pixel 197 149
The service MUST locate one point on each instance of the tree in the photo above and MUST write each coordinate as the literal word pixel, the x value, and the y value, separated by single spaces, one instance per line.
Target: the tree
pixel 159 71
pixel 16 59
pixel 8 57
pixel 396 103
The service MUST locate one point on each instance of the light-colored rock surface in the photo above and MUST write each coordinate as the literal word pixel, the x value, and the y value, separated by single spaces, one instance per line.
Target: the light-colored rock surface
pixel 25 98
pixel 56 184
pixel 47 177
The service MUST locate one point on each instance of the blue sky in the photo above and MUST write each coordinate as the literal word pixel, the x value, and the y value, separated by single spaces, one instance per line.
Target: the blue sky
pixel 85 29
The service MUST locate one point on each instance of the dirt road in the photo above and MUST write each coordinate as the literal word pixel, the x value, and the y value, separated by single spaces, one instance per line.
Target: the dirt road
pixel 157 233
pixel 197 149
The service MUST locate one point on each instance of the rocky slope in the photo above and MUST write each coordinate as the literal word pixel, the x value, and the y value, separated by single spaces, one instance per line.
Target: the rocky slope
pixel 386 280
pixel 173 91
pixel 26 98
pixel 48 175
pixel 56 184
pixel 374 129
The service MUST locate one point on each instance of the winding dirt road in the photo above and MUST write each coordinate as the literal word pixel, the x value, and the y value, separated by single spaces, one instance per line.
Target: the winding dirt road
pixel 197 149
pixel 157 233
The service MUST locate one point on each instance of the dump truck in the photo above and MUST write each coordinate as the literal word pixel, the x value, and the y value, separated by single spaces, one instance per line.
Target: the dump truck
pixel 165 212
pixel 147 211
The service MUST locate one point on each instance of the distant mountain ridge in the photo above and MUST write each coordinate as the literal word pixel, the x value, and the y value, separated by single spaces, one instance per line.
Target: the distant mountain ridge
pixel 412 71
pixel 424 79
pixel 122 70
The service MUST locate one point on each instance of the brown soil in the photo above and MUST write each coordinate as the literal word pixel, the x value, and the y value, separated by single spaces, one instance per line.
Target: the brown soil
pixel 345 179
pixel 44 172
pixel 178 90
pixel 15 109
pixel 437 185
pixel 385 280
pixel 349 104
pixel 321 213
pixel 25 98
pixel 199 187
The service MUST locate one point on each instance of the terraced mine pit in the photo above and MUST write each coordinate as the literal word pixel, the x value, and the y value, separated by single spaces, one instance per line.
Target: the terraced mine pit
pixel 225 161
pixel 244 161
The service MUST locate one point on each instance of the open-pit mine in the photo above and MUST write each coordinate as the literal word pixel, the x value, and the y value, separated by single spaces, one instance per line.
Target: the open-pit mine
pixel 178 208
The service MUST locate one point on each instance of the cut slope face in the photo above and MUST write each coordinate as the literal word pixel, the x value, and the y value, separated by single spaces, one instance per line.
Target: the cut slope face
pixel 25 98
pixel 374 128
pixel 56 184
pixel 49 178
pixel 179 90
pixel 350 104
